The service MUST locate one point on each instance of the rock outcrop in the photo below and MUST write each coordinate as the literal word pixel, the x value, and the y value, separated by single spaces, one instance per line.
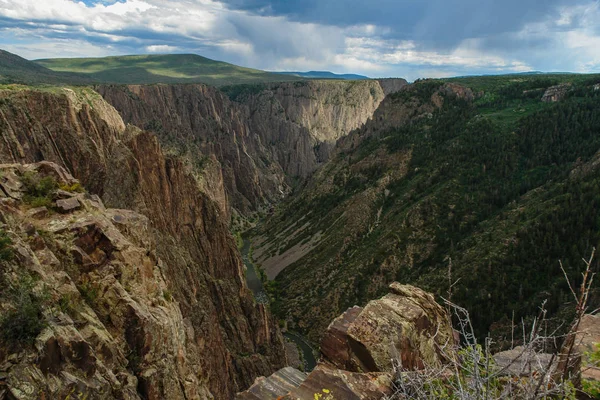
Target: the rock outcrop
pixel 392 85
pixel 556 93
pixel 574 358
pixel 111 327
pixel 231 339
pixel 201 124
pixel 406 327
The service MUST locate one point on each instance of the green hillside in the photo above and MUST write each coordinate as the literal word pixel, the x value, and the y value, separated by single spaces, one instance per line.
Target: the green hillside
pixel 15 69
pixel 495 189
pixel 148 69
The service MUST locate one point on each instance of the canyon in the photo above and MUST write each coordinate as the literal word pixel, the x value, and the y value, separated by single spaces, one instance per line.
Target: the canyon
pixel 164 237
pixel 154 301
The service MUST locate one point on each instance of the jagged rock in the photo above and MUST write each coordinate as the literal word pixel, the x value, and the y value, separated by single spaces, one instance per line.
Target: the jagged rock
pixel 275 386
pixel 63 194
pixel 327 383
pixel 38 213
pixel 285 128
pixel 357 350
pixel 68 205
pixel 392 85
pixel 406 324
pixel 587 340
pixel 11 184
pixel 556 93
pixel 227 339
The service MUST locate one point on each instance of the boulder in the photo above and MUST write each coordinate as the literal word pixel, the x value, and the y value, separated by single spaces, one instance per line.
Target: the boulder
pixel 573 359
pixel 406 325
pixel 587 340
pixel 37 213
pixel 522 362
pixel 68 205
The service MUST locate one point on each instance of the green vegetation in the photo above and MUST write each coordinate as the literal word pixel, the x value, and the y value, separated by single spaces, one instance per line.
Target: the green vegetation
pixel 74 188
pixel 502 187
pixel 592 387
pixel 38 190
pixel 14 69
pixel 24 320
pixel 88 291
pixel 150 69
pixel 6 250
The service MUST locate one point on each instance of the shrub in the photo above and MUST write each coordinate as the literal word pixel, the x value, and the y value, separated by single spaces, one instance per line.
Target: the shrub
pixel 74 188
pixel 24 321
pixel 38 190
pixel 88 292
pixel 6 251
pixel 590 387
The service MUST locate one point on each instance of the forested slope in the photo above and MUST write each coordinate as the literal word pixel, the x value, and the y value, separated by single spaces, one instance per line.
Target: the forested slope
pixel 487 188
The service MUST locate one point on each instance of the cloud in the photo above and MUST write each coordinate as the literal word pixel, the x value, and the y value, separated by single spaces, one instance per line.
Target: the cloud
pixel 411 38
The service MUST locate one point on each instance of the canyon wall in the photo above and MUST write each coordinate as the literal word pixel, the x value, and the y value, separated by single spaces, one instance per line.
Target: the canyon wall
pixel 249 145
pixel 229 338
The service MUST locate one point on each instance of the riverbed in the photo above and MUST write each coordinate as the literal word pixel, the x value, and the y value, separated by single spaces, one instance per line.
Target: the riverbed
pixel 256 286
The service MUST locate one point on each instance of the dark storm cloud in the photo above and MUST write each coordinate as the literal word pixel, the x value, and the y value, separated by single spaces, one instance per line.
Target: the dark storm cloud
pixel 437 22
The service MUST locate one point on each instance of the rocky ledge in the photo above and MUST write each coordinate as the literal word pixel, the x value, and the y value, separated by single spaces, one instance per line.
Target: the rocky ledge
pixel 85 310
pixel 362 348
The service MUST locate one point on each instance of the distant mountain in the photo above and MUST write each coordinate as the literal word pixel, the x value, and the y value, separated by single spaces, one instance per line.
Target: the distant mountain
pixel 324 75
pixel 172 68
pixel 15 69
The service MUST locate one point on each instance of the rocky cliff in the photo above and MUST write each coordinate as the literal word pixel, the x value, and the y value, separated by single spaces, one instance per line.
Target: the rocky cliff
pixel 248 151
pixel 363 349
pixel 229 339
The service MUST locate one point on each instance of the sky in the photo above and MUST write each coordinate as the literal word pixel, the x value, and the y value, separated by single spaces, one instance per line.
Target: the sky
pixel 378 38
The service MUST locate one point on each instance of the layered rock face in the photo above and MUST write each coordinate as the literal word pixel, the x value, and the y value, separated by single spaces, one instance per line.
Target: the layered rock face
pixel 361 348
pixel 306 246
pixel 407 325
pixel 230 339
pixel 248 150
pixel 202 124
pixel 112 329
pixel 556 93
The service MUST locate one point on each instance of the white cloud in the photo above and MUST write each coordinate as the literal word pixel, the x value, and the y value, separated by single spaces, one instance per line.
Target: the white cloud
pixel 52 28
pixel 161 48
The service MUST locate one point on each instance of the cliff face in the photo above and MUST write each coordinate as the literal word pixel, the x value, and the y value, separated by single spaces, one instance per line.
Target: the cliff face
pixel 209 130
pixel 230 339
pixel 362 348
pixel 247 150
pixel 305 119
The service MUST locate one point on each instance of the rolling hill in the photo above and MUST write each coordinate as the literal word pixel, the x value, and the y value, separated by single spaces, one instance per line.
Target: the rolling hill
pixel 15 69
pixel 148 69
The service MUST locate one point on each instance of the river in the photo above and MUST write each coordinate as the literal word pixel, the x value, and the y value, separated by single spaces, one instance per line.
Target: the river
pixel 255 284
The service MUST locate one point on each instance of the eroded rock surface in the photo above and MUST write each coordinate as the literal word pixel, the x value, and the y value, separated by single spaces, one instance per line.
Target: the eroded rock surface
pixel 233 340
pixel 556 93
pixel 112 329
pixel 406 327
pixel 247 150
